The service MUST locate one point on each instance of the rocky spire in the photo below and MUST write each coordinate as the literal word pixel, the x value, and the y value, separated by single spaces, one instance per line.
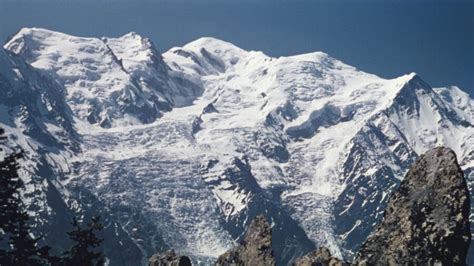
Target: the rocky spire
pixel 256 249
pixel 427 219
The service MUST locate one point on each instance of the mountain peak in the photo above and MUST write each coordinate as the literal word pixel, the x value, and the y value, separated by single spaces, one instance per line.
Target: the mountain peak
pixel 312 56
pixel 133 48
pixel 133 38
pixel 411 76
pixel 409 84
pixel 214 49
pixel 25 31
pixel 132 34
pixel 313 143
pixel 107 79
pixel 24 37
pixel 211 43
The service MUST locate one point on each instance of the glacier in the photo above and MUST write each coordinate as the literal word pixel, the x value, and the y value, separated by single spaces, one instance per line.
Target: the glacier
pixel 182 149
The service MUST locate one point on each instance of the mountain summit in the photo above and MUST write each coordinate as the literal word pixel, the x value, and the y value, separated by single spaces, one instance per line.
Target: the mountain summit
pixel 181 150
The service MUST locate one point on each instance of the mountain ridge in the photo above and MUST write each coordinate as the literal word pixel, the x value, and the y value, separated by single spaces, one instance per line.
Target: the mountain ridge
pixel 311 142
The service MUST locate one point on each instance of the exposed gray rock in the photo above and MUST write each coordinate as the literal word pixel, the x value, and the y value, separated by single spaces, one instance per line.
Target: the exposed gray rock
pixel 256 249
pixel 169 258
pixel 319 257
pixel 427 218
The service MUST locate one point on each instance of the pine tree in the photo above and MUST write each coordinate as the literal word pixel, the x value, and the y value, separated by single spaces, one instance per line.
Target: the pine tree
pixel 22 248
pixel 85 242
pixel 10 184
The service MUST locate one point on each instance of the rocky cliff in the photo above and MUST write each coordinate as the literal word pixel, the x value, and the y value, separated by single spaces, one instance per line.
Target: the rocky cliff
pixel 427 218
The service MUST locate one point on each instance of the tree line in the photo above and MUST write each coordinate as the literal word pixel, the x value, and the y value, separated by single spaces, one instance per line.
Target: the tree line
pixel 18 246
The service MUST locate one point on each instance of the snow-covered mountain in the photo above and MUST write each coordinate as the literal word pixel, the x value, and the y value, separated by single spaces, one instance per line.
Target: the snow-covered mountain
pixel 181 150
pixel 108 81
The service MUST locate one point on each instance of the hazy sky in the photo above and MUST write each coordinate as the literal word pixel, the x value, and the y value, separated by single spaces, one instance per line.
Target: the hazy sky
pixel 388 38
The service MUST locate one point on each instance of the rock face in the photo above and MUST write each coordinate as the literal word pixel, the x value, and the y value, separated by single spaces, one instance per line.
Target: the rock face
pixel 169 258
pixel 256 248
pixel 427 218
pixel 320 257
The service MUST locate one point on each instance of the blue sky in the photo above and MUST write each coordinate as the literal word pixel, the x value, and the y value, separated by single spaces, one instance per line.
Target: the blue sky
pixel 388 38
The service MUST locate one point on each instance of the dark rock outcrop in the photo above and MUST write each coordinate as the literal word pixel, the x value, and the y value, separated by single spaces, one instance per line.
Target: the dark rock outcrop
pixel 169 258
pixel 426 221
pixel 320 257
pixel 256 249
pixel 427 218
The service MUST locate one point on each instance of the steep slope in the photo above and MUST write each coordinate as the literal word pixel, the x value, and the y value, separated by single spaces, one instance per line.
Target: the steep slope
pixel 383 150
pixel 183 149
pixel 38 121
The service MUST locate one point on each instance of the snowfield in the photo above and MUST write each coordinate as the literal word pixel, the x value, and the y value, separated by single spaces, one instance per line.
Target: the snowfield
pixel 182 149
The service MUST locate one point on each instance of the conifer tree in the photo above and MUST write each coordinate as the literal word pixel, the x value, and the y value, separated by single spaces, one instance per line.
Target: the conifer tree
pixel 85 243
pixel 18 246
pixel 21 247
